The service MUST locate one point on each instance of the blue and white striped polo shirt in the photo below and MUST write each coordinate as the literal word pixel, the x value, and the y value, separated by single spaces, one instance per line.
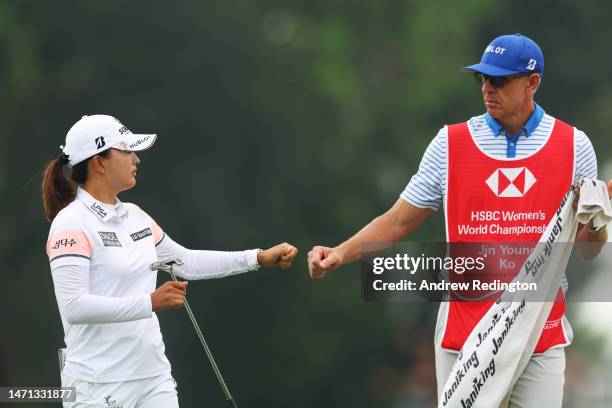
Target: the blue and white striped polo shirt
pixel 426 188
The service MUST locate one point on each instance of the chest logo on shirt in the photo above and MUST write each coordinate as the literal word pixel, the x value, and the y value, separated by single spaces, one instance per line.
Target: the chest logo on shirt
pixel 109 239
pixel 137 236
pixel 512 182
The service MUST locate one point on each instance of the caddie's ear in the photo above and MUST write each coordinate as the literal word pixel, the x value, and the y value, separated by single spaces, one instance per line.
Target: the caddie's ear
pixel 534 82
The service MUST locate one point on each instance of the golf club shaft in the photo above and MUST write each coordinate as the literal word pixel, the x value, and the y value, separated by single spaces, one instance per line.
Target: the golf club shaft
pixel 228 397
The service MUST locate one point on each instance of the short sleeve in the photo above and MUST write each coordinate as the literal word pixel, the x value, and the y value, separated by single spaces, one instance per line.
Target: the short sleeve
pixel 158 233
pixel 586 161
pixel 69 246
pixel 426 187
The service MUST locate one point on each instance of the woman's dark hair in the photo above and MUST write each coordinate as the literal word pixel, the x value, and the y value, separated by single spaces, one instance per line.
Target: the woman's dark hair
pixel 59 191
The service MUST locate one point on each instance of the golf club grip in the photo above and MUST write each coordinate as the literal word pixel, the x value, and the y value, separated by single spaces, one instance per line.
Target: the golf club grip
pixel 232 403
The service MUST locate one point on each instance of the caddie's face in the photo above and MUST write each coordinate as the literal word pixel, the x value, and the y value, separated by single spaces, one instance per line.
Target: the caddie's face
pixel 120 169
pixel 505 101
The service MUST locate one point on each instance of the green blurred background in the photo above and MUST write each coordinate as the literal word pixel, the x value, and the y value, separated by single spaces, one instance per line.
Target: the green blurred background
pixel 293 121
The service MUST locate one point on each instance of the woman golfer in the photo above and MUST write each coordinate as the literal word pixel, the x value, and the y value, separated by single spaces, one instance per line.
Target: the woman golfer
pixel 100 250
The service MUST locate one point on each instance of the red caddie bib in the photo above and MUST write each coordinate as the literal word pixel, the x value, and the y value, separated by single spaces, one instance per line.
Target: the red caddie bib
pixel 493 200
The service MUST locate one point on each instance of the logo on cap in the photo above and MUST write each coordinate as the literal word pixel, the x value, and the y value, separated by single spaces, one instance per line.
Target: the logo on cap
pixel 139 141
pixel 495 50
pixel 512 182
pixel 100 143
pixel 531 65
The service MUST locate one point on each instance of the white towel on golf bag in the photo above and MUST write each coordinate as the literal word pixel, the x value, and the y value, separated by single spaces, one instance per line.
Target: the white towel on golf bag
pixel 593 203
pixel 500 346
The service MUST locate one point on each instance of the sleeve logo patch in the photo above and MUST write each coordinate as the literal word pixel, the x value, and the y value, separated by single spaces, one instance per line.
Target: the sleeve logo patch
pixel 109 239
pixel 137 236
pixel 64 242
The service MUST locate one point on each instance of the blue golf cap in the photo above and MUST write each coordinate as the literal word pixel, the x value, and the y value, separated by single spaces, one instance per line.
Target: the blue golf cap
pixel 510 55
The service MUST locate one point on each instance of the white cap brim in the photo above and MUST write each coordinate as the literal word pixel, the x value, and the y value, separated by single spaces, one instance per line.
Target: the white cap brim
pixel 133 142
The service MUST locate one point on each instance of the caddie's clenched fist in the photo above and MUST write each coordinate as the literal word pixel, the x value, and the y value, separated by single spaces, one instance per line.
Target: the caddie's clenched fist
pixel 322 260
pixel 280 255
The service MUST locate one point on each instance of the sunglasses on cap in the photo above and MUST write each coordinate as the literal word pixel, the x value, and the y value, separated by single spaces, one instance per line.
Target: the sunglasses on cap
pixel 496 81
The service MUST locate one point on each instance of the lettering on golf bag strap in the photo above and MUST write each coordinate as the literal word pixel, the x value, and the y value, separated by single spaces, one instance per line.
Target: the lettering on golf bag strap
pixel 482 189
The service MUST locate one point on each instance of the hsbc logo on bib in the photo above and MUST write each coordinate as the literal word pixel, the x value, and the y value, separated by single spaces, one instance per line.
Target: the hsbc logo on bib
pixel 514 182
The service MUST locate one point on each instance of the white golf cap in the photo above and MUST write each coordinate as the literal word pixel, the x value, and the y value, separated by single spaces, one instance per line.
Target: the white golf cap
pixel 95 133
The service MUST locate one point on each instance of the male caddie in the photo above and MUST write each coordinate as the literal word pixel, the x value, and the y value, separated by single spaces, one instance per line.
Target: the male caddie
pixel 513 158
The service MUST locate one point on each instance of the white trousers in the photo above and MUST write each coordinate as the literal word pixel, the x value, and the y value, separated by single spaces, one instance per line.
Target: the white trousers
pixel 153 392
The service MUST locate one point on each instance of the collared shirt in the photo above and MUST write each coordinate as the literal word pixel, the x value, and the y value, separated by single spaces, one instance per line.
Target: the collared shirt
pixel 114 246
pixel 103 211
pixel 100 256
pixel 426 188
pixel 512 140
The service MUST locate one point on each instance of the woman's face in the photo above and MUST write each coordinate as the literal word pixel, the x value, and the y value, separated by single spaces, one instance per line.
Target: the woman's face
pixel 120 169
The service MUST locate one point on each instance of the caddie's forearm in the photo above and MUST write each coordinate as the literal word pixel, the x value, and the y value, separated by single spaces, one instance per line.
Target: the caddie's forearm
pixel 392 226
pixel 382 230
pixel 587 234
pixel 590 242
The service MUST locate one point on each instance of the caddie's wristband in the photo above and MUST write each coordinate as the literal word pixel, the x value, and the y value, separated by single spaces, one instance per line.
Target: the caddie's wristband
pixel 598 229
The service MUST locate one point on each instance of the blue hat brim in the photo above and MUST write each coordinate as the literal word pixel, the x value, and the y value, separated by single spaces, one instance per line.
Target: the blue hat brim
pixel 491 70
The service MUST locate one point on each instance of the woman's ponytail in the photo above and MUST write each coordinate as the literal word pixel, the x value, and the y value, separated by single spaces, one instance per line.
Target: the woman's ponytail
pixel 57 190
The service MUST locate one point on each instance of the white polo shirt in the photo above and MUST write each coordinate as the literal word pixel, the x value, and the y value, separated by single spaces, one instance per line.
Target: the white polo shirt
pixel 100 256
pixel 116 243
